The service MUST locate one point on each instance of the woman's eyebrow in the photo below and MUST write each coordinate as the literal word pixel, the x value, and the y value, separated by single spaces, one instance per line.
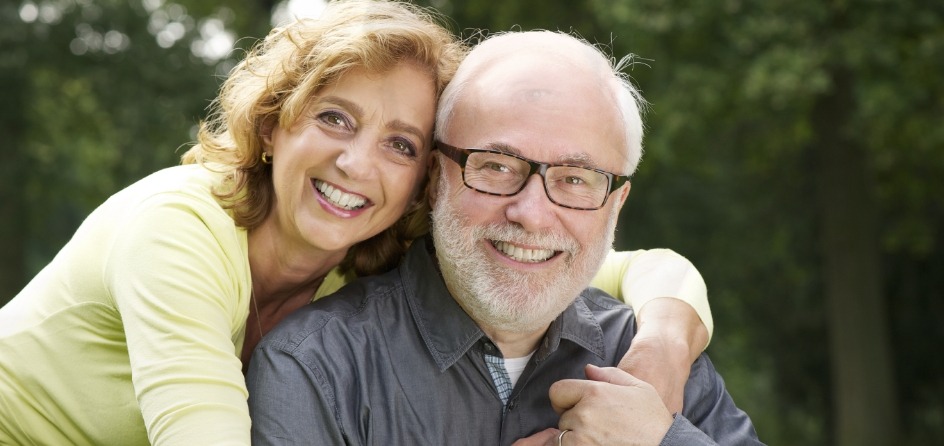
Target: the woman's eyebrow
pixel 350 106
pixel 405 127
pixel 358 113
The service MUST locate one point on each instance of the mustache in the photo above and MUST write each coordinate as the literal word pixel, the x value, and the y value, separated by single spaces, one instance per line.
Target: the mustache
pixel 512 233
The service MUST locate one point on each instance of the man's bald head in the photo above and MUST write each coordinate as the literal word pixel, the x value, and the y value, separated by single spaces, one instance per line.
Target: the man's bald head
pixel 549 69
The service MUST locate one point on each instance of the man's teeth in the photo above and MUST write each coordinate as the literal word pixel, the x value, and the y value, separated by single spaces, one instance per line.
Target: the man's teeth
pixel 340 199
pixel 524 255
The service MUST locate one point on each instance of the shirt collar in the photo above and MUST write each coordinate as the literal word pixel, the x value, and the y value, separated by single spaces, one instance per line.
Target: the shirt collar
pixel 449 332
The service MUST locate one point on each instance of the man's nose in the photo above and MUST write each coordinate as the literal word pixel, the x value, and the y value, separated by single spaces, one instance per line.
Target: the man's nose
pixel 531 208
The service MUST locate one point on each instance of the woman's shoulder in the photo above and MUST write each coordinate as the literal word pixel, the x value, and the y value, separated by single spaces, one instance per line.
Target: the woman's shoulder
pixel 168 199
pixel 187 179
pixel 192 184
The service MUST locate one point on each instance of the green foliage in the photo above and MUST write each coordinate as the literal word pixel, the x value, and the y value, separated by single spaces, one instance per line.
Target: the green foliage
pixel 728 178
pixel 733 87
pixel 734 133
pixel 103 104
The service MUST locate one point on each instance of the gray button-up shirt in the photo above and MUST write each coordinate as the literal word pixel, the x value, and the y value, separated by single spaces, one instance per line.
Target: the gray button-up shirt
pixel 394 360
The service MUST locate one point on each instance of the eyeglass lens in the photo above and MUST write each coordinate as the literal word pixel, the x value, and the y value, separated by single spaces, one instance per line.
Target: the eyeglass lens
pixel 569 186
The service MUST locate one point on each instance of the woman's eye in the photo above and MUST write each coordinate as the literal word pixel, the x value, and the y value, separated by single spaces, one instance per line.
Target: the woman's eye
pixel 333 119
pixel 404 147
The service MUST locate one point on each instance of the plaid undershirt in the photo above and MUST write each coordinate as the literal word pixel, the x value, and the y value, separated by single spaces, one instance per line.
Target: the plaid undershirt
pixel 496 367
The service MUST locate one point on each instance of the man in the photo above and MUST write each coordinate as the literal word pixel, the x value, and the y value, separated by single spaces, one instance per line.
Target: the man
pixel 484 334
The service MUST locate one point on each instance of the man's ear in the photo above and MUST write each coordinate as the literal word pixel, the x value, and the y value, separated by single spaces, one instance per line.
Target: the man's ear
pixel 624 194
pixel 434 169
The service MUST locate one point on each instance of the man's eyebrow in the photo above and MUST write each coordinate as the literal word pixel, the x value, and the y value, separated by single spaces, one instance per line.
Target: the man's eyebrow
pixel 580 159
pixel 502 147
pixel 358 113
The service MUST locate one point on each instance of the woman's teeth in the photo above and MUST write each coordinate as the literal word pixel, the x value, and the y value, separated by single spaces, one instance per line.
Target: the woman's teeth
pixel 341 199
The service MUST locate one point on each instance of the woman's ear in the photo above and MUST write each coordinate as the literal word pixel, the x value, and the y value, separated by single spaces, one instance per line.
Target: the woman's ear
pixel 265 131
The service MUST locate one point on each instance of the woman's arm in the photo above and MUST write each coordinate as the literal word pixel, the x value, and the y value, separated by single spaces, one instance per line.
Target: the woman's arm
pixel 179 276
pixel 672 313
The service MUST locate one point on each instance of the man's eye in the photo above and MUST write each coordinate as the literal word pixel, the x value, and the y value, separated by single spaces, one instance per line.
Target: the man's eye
pixel 574 181
pixel 496 167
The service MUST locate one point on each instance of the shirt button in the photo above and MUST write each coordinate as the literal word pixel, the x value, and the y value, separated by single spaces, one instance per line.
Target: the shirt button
pixel 513 404
pixel 489 347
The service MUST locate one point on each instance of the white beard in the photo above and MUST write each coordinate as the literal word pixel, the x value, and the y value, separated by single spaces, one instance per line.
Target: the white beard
pixel 498 297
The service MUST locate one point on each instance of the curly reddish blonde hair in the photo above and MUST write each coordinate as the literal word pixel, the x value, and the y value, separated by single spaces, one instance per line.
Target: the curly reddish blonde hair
pixel 275 81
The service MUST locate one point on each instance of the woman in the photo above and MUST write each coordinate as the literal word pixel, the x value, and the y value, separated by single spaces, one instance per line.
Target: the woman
pixel 138 330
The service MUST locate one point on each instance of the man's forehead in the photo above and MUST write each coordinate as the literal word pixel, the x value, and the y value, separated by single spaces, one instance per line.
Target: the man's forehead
pixel 545 124
pixel 525 84
pixel 521 94
pixel 526 94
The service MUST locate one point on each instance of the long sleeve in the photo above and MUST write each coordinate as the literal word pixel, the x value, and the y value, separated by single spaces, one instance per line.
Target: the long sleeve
pixel 131 334
pixel 287 402
pixel 683 433
pixel 710 415
pixel 178 274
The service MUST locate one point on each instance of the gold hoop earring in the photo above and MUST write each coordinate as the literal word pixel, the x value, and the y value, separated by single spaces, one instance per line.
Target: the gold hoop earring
pixel 266 158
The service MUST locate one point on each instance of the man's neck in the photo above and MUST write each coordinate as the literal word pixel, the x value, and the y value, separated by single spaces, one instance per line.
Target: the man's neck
pixel 514 344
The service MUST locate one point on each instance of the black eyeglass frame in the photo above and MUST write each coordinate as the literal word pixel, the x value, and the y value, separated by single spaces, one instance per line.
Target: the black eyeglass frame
pixel 461 156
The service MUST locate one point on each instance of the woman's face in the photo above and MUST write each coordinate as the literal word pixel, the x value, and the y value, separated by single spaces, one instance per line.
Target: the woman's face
pixel 353 162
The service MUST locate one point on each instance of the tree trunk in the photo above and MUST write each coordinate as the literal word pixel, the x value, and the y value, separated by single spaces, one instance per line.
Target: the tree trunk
pixel 864 395
pixel 13 86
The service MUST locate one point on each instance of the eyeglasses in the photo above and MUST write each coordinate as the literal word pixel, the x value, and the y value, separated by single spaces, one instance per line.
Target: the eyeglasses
pixel 503 174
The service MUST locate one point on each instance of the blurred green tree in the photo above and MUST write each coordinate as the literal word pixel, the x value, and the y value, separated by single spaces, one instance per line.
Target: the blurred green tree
pixel 98 95
pixel 810 133
pixel 794 153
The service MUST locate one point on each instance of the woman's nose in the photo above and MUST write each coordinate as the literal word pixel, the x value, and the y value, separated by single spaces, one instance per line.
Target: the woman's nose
pixel 355 160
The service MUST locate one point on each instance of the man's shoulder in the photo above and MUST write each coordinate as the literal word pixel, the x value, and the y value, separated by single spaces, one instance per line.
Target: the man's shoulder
pixel 614 317
pixel 359 307
pixel 598 300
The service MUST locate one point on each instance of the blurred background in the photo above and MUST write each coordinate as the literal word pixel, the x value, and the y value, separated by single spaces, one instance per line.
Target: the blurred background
pixel 795 153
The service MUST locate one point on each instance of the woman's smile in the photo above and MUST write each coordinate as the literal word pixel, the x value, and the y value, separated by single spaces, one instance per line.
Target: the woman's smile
pixel 338 197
